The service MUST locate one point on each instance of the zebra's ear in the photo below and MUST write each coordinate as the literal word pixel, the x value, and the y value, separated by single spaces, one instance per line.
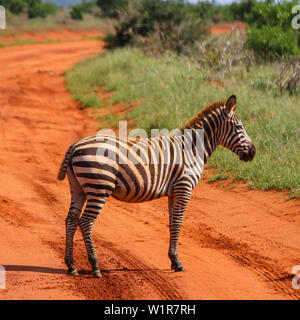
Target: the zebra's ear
pixel 231 103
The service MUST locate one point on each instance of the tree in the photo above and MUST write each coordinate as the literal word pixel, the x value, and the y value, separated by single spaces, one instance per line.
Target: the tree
pixel 33 8
pixel 109 7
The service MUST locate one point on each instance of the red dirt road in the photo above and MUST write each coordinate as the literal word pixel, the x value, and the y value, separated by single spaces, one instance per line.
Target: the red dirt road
pixel 235 244
pixel 227 27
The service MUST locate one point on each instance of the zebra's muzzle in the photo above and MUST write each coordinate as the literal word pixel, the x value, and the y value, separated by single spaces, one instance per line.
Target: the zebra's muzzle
pixel 248 154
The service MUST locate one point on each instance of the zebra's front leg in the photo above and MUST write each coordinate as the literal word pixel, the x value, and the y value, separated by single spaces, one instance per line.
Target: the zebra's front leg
pixel 177 206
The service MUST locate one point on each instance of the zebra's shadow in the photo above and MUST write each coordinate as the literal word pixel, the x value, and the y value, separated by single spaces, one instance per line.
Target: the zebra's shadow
pixel 83 272
pixel 22 268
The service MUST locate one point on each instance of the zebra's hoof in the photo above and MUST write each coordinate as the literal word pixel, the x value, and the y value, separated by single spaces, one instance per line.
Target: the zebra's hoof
pixel 180 268
pixel 73 272
pixel 177 267
pixel 97 273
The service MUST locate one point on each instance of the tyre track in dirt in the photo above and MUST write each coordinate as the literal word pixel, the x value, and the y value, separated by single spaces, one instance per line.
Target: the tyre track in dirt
pixel 166 289
pixel 250 259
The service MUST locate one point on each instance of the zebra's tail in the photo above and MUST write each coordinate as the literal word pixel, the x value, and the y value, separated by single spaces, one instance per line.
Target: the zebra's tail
pixel 64 165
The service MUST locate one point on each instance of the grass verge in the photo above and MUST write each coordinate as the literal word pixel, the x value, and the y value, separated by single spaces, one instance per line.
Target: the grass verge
pixel 172 91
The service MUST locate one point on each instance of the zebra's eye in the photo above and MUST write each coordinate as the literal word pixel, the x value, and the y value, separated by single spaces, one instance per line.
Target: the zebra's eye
pixel 239 126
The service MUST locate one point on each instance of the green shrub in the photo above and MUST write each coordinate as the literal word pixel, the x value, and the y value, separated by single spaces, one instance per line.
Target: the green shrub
pixel 271 35
pixel 239 10
pixel 171 23
pixel 271 14
pixel 78 10
pixel 40 9
pixel 110 8
pixel 272 42
pixel 33 8
pixel 14 6
pixel 205 10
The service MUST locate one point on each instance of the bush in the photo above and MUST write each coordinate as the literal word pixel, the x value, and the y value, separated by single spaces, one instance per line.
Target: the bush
pixel 110 8
pixel 41 9
pixel 33 8
pixel 288 76
pixel 170 22
pixel 271 35
pixel 271 14
pixel 205 10
pixel 14 6
pixel 78 10
pixel 239 10
pixel 272 42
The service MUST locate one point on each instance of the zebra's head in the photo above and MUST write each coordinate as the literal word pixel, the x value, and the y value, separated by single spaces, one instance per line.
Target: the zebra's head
pixel 234 136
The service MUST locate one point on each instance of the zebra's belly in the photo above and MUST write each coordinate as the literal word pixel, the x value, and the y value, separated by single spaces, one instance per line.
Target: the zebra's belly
pixel 138 194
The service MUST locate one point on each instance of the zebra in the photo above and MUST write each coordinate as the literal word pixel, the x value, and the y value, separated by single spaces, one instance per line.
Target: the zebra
pixel 94 176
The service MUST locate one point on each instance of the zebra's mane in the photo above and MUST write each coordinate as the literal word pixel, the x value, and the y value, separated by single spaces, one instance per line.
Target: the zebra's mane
pixel 197 119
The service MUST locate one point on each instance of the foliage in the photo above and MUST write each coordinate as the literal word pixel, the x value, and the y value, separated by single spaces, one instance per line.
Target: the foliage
pixel 169 23
pixel 78 10
pixel 40 9
pixel 238 11
pixel 110 7
pixel 272 42
pixel 223 53
pixel 272 14
pixel 14 6
pixel 270 34
pixel 33 8
pixel 288 76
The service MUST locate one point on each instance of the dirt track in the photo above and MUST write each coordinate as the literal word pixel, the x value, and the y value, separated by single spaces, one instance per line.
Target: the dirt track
pixel 235 244
pixel 227 27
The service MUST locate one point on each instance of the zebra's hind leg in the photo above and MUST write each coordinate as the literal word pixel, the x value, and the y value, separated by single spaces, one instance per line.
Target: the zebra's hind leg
pixel 86 223
pixel 177 206
pixel 78 199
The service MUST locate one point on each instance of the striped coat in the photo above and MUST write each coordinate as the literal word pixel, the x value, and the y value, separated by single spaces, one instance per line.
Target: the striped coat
pixel 145 169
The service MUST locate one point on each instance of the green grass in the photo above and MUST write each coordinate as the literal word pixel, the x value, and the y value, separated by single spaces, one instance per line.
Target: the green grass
pixel 218 177
pixel 172 91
